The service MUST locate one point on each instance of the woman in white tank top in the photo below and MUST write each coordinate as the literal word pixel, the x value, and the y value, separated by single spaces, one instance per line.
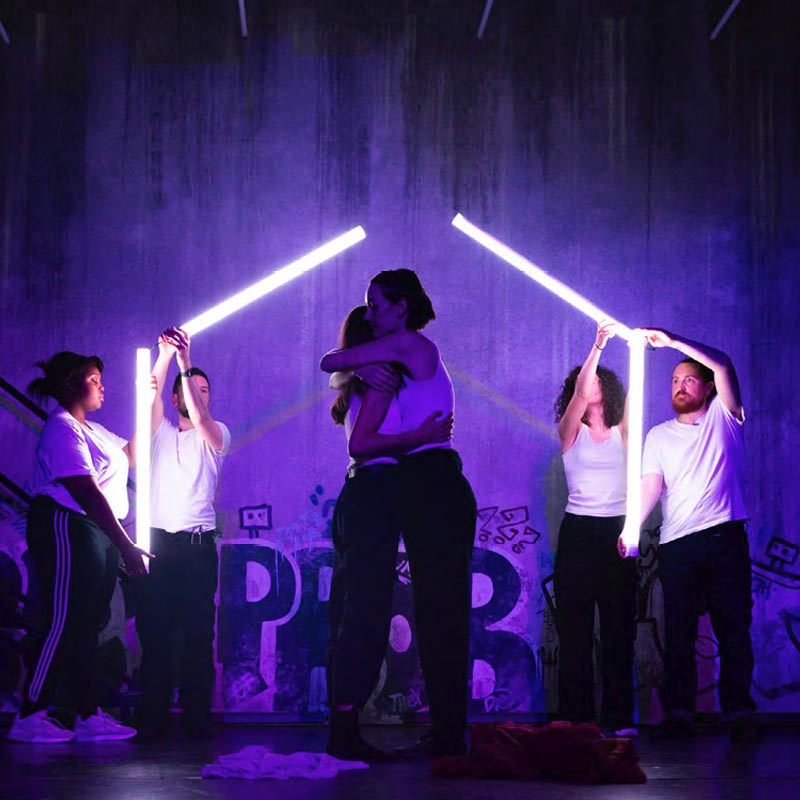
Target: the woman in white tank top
pixel 366 533
pixel 438 510
pixel 592 425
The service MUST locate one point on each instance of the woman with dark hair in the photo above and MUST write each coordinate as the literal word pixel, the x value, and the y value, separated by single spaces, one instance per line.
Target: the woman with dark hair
pixel 438 510
pixel 366 533
pixel 592 425
pixel 75 540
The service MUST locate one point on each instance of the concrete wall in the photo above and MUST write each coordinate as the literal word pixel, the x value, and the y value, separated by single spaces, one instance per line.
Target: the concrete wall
pixel 153 162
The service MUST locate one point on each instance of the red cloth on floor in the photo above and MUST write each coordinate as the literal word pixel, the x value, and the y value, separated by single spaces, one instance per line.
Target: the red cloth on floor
pixel 564 751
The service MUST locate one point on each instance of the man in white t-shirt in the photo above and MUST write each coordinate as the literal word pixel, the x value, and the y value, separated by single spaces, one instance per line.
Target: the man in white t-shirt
pixel 177 599
pixel 696 464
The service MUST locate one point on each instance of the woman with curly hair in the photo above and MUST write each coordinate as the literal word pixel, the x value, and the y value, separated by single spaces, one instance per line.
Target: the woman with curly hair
pixel 437 504
pixel 592 426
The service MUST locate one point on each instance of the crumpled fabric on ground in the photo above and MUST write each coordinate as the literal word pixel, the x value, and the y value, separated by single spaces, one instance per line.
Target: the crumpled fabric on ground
pixel 563 751
pixel 254 762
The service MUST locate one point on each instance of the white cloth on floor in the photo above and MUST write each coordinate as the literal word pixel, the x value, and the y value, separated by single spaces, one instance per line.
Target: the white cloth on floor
pixel 255 762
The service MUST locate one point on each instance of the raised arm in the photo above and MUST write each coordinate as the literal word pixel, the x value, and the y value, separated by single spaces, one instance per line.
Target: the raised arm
pixel 366 442
pixel 570 423
pixel 407 348
pixel 623 425
pixel 87 494
pixel 196 403
pixel 166 352
pixel 719 363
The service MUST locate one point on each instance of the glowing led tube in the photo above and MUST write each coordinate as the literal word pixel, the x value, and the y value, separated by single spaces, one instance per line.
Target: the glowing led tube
pixel 536 273
pixel 274 281
pixel 144 404
pixel 636 344
pixel 633 506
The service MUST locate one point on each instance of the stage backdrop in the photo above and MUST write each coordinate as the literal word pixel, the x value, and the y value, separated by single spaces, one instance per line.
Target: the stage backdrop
pixel 155 161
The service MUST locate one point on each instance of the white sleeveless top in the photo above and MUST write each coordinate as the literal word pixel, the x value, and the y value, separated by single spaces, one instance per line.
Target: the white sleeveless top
pixel 391 424
pixel 596 475
pixel 419 399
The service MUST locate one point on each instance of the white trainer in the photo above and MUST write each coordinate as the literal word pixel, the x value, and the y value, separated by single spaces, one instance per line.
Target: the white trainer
pixel 39 728
pixel 101 727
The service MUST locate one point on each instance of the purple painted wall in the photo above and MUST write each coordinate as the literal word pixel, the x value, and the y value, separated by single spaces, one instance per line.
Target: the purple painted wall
pixel 154 162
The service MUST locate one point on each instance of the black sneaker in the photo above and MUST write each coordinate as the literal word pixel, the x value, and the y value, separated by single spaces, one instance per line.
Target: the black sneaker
pixel 672 728
pixel 431 746
pixel 345 740
pixel 357 749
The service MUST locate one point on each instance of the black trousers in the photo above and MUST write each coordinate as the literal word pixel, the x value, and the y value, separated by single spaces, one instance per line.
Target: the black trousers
pixel 366 534
pixel 176 605
pixel 439 514
pixel 708 570
pixel 76 565
pixel 589 572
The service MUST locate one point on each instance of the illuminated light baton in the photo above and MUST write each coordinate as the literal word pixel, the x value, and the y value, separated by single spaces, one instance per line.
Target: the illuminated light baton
pixel 274 281
pixel 144 392
pixel 144 405
pixel 539 275
pixel 636 344
pixel 633 504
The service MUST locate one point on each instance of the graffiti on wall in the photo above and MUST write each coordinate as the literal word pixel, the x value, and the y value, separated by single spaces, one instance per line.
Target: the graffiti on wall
pixel 272 633
pixel 273 623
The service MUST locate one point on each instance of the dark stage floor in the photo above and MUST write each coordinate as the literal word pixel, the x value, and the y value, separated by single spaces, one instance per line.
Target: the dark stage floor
pixel 708 766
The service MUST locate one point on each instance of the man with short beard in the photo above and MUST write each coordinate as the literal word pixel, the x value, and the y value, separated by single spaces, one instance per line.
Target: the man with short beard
pixel 696 464
pixel 177 600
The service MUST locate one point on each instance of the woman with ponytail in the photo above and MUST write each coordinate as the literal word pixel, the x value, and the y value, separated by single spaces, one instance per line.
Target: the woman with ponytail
pixel 366 533
pixel 437 506
pixel 75 541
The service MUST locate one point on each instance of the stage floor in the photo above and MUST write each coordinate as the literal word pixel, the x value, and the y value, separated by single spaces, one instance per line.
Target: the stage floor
pixel 708 766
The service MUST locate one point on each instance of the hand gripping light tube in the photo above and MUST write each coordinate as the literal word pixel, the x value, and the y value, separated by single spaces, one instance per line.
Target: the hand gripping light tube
pixel 274 281
pixel 144 404
pixel 536 273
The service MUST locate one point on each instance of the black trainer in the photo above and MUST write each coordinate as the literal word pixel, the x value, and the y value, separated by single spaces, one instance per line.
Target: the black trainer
pixel 672 728
pixel 432 746
pixel 345 740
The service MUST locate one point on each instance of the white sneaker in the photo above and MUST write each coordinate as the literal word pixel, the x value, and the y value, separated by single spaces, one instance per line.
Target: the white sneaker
pixel 101 727
pixel 38 727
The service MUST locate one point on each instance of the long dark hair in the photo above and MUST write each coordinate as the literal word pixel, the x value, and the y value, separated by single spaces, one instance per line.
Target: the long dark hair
pixel 404 284
pixel 355 330
pixel 613 396
pixel 62 374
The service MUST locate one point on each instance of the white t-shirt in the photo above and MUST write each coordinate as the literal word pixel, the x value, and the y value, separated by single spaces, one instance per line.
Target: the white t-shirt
pixel 391 424
pixel 703 467
pixel 66 449
pixel 596 475
pixel 184 474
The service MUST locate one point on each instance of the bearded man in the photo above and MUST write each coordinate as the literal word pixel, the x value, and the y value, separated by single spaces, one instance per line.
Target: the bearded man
pixel 696 464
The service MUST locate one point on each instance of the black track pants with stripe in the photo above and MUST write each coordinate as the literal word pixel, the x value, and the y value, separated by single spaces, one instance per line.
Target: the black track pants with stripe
pixel 76 567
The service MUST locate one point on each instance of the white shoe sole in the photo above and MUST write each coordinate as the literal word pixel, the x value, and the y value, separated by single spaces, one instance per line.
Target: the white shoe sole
pixel 106 737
